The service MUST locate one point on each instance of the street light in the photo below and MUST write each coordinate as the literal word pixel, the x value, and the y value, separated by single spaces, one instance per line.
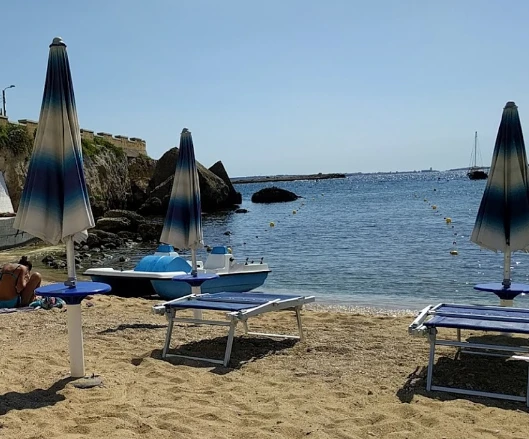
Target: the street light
pixel 4 99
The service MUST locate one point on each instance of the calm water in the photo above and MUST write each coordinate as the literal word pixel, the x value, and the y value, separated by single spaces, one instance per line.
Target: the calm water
pixel 369 240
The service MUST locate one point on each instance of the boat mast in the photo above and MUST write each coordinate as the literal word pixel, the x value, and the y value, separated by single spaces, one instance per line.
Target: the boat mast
pixel 475 149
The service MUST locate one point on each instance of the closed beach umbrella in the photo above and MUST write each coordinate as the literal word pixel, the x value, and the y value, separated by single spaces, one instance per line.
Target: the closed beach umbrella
pixel 502 223
pixel 54 205
pixel 183 223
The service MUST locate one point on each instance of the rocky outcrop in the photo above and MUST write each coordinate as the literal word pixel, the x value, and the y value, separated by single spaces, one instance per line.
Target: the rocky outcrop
pixel 117 182
pixel 234 197
pixel 273 195
pixel 213 191
pixel 141 171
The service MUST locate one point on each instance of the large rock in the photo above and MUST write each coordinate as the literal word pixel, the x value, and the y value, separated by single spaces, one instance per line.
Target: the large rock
pixel 153 206
pixel 234 197
pixel 273 195
pixel 134 218
pixel 114 225
pixel 150 231
pixel 213 191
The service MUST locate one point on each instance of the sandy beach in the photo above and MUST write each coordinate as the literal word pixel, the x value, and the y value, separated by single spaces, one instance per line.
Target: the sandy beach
pixel 352 378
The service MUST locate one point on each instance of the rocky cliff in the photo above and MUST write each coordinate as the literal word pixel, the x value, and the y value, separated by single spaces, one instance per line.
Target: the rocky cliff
pixel 115 181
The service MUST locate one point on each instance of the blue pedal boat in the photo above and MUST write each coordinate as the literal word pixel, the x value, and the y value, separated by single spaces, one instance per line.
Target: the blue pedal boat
pixel 154 273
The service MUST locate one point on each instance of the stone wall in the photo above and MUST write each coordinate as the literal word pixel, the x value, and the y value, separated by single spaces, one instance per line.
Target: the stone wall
pixel 133 146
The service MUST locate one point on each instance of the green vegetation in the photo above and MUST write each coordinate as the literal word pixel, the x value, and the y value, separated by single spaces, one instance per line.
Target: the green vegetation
pixel 15 138
pixel 97 144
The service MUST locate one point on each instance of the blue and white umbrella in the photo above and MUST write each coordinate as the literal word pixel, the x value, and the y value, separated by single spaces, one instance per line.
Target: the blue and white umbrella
pixel 54 205
pixel 502 223
pixel 183 223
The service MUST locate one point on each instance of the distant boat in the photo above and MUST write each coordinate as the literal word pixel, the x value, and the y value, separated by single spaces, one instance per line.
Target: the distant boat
pixel 476 172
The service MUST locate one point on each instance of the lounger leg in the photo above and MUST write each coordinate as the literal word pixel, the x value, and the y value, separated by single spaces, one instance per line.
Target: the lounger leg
pixel 170 318
pixel 527 391
pixel 245 326
pixel 432 337
pixel 229 344
pixel 300 328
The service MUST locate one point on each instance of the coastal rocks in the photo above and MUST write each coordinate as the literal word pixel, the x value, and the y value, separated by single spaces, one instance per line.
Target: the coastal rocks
pixel 141 170
pixel 234 197
pixel 113 225
pixel 150 231
pixel 152 206
pixel 102 238
pixel 107 178
pixel 273 195
pixel 134 218
pixel 213 191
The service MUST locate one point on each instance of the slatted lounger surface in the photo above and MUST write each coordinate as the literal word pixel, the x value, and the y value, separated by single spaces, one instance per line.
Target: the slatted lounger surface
pixel 472 317
pixel 239 307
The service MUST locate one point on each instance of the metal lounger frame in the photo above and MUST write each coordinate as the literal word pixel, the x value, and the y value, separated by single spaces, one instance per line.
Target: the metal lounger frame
pixel 418 328
pixel 233 317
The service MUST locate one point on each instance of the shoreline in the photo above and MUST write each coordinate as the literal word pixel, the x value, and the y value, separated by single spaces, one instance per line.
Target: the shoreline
pixel 36 251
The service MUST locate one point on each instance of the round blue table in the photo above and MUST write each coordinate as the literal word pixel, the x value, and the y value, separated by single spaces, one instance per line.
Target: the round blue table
pixel 196 285
pixel 502 292
pixel 195 281
pixel 75 295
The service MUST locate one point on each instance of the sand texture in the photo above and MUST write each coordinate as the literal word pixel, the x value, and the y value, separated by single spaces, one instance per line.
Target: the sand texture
pixel 356 376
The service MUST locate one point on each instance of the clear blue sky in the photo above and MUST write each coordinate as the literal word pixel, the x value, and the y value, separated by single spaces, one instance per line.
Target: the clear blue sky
pixel 282 86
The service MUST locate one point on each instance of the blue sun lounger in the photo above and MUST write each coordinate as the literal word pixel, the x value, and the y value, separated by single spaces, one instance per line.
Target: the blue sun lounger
pixel 473 317
pixel 239 307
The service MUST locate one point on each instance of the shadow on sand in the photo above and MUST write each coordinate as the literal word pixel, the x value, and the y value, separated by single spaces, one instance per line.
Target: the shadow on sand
pixel 473 372
pixel 245 350
pixel 34 399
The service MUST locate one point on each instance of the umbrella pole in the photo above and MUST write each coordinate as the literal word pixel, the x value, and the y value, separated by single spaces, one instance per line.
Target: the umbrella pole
pixel 70 261
pixel 193 262
pixel 75 326
pixel 197 313
pixel 506 276
pixel 75 341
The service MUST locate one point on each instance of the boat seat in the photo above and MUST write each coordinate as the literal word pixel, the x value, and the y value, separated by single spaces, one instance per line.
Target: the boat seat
pixel 215 261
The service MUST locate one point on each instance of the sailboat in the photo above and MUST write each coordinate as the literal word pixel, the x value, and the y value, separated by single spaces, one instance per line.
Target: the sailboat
pixel 476 172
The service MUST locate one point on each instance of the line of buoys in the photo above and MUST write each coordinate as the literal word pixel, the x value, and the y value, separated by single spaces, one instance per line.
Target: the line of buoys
pixel 448 221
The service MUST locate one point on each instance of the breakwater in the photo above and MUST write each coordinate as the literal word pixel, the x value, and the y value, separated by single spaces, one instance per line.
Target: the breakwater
pixel 273 178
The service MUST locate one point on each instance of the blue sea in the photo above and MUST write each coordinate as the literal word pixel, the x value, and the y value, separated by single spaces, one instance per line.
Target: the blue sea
pixel 378 240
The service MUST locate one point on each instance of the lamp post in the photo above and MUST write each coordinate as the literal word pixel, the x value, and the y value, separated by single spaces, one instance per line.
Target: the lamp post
pixel 4 99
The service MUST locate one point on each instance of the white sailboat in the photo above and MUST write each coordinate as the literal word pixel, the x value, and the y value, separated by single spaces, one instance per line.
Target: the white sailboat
pixel 476 172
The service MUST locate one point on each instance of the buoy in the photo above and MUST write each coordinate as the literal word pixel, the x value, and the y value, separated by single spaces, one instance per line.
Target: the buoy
pixel 434 206
pixel 272 224
pixel 448 220
pixel 454 252
pixel 294 212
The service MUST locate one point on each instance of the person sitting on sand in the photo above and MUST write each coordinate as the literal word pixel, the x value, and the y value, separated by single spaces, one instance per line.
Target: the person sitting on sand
pixel 17 284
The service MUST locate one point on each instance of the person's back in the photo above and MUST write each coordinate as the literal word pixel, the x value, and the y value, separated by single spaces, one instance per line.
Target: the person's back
pixel 17 285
